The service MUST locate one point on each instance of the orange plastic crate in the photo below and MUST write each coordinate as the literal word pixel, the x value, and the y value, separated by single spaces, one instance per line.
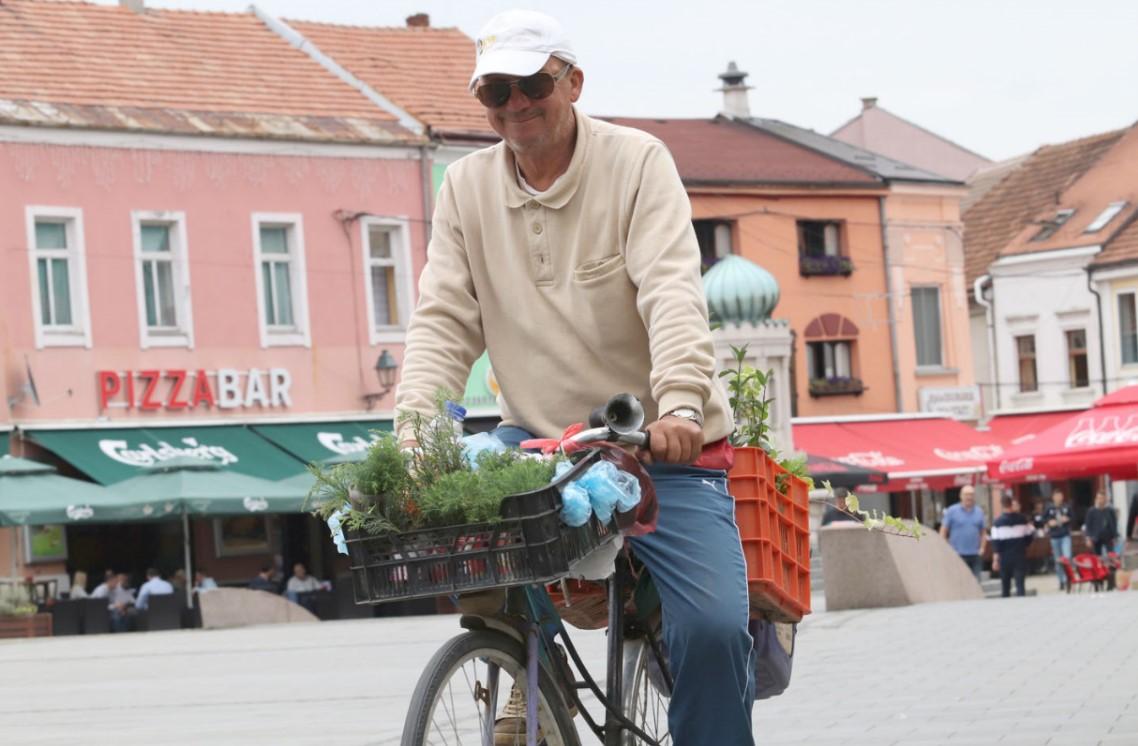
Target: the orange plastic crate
pixel 775 529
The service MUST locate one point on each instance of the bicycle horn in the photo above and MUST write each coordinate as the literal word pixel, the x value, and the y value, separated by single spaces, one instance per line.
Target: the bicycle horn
pixel 624 414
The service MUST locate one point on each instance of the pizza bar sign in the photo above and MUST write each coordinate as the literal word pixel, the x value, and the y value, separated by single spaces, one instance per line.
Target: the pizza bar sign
pixel 174 390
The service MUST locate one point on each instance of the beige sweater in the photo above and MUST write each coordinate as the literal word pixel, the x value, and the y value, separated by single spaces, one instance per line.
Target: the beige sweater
pixel 590 289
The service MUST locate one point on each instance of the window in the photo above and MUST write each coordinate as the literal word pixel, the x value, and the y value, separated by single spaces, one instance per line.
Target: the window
pixel 1025 349
pixel 1077 371
pixel 831 349
pixel 1128 328
pixel 162 274
pixel 715 240
pixel 828 359
pixel 58 276
pixel 1105 217
pixel 926 326
pixel 388 278
pixel 817 238
pixel 1050 226
pixel 820 249
pixel 281 287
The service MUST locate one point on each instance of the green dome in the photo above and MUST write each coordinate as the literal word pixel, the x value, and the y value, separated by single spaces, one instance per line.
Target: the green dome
pixel 740 291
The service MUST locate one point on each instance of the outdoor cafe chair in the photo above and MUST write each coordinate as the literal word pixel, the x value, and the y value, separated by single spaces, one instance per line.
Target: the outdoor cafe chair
pixel 162 612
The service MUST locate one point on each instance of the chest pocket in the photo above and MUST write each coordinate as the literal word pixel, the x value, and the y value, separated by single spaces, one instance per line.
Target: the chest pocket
pixel 596 271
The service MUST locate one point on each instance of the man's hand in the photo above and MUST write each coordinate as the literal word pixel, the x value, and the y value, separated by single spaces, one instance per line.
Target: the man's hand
pixel 675 440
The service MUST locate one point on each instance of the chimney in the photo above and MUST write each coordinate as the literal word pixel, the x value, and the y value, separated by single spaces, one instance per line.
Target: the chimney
pixel 735 102
pixel 138 6
pixel 419 20
pixel 868 102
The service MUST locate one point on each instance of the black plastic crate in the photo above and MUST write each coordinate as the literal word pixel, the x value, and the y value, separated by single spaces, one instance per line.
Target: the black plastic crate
pixel 529 545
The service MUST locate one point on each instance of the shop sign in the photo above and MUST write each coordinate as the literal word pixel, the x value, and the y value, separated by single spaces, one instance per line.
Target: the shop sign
pixel 336 443
pixel 958 402
pixel 183 390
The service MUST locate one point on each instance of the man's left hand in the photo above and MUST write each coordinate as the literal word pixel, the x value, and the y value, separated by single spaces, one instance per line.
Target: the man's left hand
pixel 675 440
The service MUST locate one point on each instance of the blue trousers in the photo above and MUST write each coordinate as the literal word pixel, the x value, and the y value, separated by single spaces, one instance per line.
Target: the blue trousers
pixel 696 560
pixel 1061 547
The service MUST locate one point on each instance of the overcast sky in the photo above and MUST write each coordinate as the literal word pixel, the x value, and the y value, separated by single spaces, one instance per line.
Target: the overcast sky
pixel 1000 77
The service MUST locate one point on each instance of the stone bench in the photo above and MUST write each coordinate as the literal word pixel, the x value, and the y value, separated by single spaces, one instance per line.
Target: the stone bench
pixel 868 569
pixel 241 607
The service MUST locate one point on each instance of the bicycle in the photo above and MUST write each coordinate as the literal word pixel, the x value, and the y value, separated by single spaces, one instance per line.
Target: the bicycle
pixel 458 697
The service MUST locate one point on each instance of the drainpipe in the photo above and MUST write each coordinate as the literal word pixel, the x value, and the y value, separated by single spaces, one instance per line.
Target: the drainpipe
pixel 1101 334
pixel 990 319
pixel 428 192
pixel 892 318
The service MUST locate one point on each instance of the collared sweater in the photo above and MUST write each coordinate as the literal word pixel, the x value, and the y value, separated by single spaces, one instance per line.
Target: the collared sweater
pixel 588 289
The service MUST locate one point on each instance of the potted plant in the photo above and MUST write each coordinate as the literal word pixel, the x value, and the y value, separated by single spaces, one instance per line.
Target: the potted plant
pixel 771 500
pixel 18 614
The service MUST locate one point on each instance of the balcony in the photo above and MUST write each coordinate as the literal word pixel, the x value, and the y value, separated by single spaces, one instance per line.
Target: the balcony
pixel 837 386
pixel 826 265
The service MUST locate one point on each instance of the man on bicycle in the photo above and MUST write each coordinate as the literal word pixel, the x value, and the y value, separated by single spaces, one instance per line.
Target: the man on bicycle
pixel 567 252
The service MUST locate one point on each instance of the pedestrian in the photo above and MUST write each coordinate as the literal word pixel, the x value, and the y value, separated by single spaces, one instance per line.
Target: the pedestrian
pixel 839 511
pixel 1132 519
pixel 1057 521
pixel 1101 526
pixel 567 253
pixel 1012 533
pixel 963 526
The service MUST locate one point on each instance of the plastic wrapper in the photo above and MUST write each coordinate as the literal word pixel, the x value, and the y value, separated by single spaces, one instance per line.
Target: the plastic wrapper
pixel 575 506
pixel 475 445
pixel 609 491
pixel 337 531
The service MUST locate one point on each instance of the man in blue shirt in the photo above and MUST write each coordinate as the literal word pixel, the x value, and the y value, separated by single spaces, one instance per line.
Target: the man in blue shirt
pixel 963 526
pixel 154 586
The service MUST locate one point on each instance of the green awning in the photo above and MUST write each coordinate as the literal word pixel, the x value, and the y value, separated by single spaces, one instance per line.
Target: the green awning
pixel 4 436
pixel 481 395
pixel 319 441
pixel 33 494
pixel 204 488
pixel 110 455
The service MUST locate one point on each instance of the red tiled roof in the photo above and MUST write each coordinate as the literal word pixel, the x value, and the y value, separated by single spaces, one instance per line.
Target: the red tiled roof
pixel 1123 247
pixel 423 70
pixel 101 64
pixel 719 151
pixel 1026 192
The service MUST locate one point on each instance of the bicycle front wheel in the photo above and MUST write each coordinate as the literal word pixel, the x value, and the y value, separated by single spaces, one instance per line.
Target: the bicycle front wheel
pixel 464 697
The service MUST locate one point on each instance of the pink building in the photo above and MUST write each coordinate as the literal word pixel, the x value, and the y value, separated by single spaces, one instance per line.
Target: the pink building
pixel 209 240
pixel 882 131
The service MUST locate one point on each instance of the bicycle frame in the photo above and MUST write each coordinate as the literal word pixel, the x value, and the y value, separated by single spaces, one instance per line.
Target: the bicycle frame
pixel 546 626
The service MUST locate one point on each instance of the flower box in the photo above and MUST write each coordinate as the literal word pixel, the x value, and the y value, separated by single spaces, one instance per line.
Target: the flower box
pixel 827 265
pixel 838 386
pixel 25 625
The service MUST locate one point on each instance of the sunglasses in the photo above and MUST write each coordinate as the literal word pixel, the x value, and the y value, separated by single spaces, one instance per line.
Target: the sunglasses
pixel 534 87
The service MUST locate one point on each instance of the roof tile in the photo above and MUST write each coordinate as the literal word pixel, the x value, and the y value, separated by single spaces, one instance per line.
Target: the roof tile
pixel 87 56
pixel 719 151
pixel 1006 209
pixel 422 70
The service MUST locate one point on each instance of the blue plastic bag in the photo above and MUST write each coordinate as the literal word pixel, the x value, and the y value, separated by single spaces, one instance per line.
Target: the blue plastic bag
pixel 610 489
pixel 475 445
pixel 575 507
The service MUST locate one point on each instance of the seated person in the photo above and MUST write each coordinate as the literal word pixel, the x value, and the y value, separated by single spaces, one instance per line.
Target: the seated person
pixel 178 580
pixel 78 586
pixel 103 590
pixel 203 582
pixel 300 582
pixel 264 581
pixel 121 604
pixel 154 586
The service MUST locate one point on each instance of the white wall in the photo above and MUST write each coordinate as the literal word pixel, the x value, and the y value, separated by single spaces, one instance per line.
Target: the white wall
pixel 1045 294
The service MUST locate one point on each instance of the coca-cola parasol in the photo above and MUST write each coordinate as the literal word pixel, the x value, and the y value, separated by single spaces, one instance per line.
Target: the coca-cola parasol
pixel 1099 440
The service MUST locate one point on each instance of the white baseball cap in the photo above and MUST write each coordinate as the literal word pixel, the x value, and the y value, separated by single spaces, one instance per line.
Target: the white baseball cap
pixel 519 42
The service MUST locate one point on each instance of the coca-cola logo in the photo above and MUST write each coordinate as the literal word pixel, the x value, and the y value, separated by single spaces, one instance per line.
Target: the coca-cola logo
pixel 1016 466
pixel 975 453
pixel 1107 431
pixel 870 460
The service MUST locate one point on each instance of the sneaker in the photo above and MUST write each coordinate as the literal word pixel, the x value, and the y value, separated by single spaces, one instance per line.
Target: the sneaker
pixel 510 726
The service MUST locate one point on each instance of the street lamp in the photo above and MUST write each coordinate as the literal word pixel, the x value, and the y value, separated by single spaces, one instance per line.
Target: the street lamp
pixel 386 370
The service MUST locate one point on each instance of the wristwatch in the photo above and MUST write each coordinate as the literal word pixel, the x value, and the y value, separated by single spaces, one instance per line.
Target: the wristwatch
pixel 688 414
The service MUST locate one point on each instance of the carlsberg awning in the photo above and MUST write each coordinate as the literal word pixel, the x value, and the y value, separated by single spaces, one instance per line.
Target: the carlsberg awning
pixel 33 494
pixel 110 455
pixel 316 442
pixel 4 436
pixel 204 488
